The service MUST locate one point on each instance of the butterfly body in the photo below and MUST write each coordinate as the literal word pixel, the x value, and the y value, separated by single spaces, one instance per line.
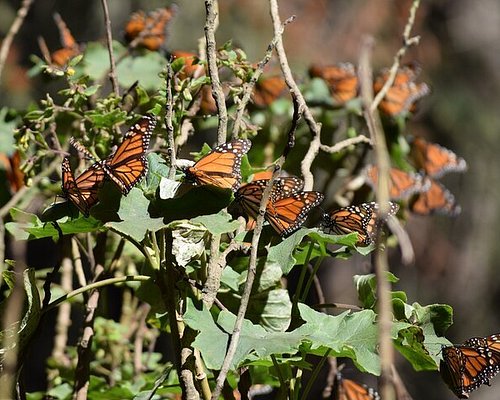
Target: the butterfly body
pixel 220 167
pixel 363 219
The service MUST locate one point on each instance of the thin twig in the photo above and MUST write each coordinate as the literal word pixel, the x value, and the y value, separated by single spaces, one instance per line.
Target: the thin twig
pixel 247 93
pixel 14 28
pixel 109 42
pixel 169 109
pixel 212 7
pixel 330 378
pixel 344 143
pixel 384 307
pixel 252 270
pixel 314 126
pixel 407 42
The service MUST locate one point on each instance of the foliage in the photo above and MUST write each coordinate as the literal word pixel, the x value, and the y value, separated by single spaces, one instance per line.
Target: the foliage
pixel 164 231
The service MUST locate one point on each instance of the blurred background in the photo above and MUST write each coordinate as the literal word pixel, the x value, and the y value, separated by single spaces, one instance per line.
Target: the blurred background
pixel 459 51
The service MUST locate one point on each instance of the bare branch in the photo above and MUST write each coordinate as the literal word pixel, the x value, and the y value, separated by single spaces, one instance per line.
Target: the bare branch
pixel 169 106
pixel 109 42
pixel 344 143
pixel 14 28
pixel 247 93
pixel 314 127
pixel 407 42
pixel 245 297
pixel 212 7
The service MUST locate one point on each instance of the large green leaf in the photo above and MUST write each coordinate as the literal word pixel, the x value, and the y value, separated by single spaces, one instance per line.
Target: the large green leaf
pixel 217 224
pixel 28 226
pixel 145 69
pixel 135 219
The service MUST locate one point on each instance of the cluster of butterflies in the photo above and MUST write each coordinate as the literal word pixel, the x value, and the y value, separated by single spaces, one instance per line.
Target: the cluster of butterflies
pixel 342 80
pixel 286 210
pixel 467 366
pixel 425 194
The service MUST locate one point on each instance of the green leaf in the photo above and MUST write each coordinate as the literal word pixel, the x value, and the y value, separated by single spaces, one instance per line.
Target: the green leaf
pixel 28 226
pixel 271 309
pixel 145 68
pixel 6 133
pixel 353 335
pixel 96 59
pixel 188 241
pixel 25 328
pixel 217 224
pixel 135 219
pixel 366 285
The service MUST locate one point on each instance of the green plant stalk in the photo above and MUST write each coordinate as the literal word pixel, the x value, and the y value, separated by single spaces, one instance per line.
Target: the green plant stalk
pixel 315 374
pixel 302 277
pixel 95 285
pixel 311 278
pixel 283 384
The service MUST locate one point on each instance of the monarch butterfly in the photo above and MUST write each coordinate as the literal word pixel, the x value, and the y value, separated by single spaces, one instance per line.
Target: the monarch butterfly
pixel 128 164
pixel 249 195
pixel 362 219
pixel 403 93
pixel 437 199
pixel 267 90
pixel 348 389
pixel 492 342
pixel 401 184
pixel 82 191
pixel 287 214
pixel 341 79
pixel 465 367
pixel 70 48
pixel 220 167
pixel 435 160
pixel 150 28
pixel 12 167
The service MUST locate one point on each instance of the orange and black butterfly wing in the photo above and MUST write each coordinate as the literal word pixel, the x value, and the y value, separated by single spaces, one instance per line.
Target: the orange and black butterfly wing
pixel 82 191
pixel 128 164
pixel 286 215
pixel 249 195
pixel 267 90
pixel 401 184
pixel 347 389
pixel 220 167
pixel 435 160
pixel 341 79
pixel 362 219
pixel 403 93
pixel 464 368
pixel 436 200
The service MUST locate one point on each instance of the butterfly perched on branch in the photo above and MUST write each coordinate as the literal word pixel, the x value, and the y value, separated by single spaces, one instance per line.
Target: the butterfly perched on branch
pixel 220 167
pixel 363 219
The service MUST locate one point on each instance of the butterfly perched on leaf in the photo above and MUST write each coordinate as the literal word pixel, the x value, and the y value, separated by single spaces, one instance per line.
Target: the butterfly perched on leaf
pixel 267 90
pixel 341 79
pixel 128 164
pixel 363 219
pixel 347 389
pixel 401 184
pixel 435 160
pixel 404 92
pixel 83 190
pixel 288 206
pixel 435 200
pixel 466 367
pixel 150 30
pixel 220 167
